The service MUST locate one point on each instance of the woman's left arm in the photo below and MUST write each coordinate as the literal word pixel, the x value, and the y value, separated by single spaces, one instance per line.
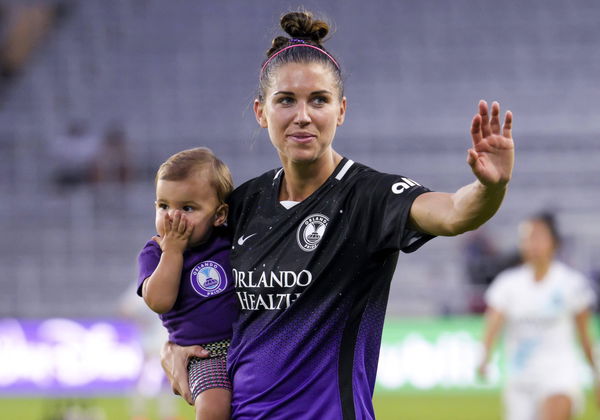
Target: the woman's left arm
pixel 582 320
pixel 491 159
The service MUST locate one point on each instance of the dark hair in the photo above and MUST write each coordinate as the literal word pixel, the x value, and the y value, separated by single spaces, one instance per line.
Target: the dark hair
pixel 182 164
pixel 303 30
pixel 549 219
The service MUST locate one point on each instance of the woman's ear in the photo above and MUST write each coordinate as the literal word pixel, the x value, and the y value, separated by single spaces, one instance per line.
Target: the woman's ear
pixel 259 113
pixel 221 215
pixel 342 115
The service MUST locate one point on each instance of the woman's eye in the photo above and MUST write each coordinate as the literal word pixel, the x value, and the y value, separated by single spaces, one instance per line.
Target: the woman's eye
pixel 320 100
pixel 286 100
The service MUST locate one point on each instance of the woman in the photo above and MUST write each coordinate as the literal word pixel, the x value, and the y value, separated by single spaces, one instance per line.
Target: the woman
pixel 316 242
pixel 542 303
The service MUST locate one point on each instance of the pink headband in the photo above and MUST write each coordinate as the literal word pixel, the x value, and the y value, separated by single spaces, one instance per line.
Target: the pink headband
pixel 298 45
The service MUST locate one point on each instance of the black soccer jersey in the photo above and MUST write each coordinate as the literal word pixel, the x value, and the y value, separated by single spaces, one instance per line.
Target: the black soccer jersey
pixel 313 283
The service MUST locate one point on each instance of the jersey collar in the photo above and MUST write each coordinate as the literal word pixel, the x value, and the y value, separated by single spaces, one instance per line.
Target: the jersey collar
pixel 338 175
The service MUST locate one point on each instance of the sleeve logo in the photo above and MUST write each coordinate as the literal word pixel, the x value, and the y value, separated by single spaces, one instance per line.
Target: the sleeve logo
pixel 405 184
pixel 311 231
pixel 208 278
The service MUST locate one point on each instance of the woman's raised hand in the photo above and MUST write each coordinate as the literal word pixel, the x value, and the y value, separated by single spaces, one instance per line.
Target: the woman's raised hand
pixel 493 153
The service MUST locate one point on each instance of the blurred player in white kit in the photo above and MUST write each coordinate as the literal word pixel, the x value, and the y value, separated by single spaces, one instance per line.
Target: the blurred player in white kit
pixel 542 305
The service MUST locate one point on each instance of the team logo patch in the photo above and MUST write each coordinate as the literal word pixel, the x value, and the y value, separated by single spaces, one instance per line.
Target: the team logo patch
pixel 311 231
pixel 208 278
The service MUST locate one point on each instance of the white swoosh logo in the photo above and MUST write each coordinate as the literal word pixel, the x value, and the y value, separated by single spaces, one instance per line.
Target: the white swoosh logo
pixel 242 239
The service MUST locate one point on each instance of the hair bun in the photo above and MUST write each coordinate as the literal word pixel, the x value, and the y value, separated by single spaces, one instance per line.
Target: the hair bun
pixel 302 25
pixel 277 44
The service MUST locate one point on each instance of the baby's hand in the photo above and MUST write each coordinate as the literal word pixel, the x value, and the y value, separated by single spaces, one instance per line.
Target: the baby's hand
pixel 176 235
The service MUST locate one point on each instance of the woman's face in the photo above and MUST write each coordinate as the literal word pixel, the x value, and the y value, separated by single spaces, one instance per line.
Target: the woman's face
pixel 536 242
pixel 301 110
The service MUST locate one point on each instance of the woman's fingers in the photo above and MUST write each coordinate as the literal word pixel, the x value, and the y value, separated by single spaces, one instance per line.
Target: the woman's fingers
pixel 180 385
pixel 507 128
pixel 182 378
pixel 485 126
pixel 471 157
pixel 476 129
pixel 485 119
pixel 174 360
pixel 495 121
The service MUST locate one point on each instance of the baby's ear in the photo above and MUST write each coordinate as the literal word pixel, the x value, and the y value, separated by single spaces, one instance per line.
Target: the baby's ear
pixel 221 215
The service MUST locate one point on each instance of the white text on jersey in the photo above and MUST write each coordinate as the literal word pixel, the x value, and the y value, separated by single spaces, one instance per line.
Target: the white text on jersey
pixel 254 298
pixel 406 183
pixel 272 279
pixel 268 301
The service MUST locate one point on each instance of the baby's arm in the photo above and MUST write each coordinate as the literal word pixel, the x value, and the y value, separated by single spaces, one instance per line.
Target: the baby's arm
pixel 161 288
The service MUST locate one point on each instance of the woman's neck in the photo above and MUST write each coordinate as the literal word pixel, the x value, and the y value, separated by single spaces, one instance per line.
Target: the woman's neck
pixel 540 269
pixel 301 179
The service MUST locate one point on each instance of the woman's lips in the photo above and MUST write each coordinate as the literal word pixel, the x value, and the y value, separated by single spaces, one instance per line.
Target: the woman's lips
pixel 301 138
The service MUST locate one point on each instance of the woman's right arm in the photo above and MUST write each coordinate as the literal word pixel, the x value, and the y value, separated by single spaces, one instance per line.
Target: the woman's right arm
pixel 174 360
pixel 494 320
pixel 491 160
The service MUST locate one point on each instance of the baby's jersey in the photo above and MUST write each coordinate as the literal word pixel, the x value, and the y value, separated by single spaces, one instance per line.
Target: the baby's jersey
pixel 206 306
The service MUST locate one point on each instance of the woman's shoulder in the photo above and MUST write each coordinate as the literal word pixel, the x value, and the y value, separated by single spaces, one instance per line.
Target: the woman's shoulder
pixel 567 273
pixel 511 276
pixel 365 173
pixel 254 185
pixel 371 182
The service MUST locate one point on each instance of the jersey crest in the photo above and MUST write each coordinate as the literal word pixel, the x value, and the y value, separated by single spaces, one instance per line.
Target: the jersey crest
pixel 311 231
pixel 208 278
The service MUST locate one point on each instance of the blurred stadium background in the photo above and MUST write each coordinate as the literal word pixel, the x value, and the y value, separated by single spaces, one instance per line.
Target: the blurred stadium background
pixel 95 94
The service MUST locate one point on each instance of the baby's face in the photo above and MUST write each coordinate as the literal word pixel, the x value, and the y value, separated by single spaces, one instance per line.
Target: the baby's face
pixel 196 198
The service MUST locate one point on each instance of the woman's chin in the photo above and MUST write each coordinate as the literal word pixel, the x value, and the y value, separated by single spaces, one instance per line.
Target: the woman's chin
pixel 302 156
pixel 299 157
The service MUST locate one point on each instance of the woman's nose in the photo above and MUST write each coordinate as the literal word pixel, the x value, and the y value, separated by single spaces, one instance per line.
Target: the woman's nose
pixel 302 115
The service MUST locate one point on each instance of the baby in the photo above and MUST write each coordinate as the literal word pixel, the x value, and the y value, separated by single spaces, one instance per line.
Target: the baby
pixel 185 274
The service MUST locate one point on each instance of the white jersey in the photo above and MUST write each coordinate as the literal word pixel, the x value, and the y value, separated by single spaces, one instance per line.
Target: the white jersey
pixel 540 332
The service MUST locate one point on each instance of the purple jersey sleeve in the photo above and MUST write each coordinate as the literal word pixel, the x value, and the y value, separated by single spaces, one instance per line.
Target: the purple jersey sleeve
pixel 147 262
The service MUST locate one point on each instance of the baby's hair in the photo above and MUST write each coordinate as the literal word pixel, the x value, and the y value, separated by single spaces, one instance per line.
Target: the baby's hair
pixel 187 162
pixel 304 46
